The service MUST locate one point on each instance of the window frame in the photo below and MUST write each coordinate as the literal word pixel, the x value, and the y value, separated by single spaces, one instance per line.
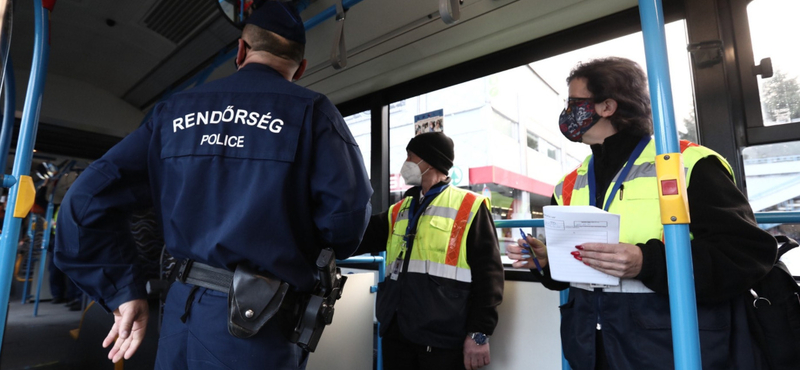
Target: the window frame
pixel 757 133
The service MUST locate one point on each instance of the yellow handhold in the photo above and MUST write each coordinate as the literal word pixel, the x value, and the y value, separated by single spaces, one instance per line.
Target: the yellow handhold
pixel 672 181
pixel 26 193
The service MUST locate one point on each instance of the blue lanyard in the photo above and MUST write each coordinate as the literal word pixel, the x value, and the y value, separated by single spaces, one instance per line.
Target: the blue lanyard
pixel 414 213
pixel 620 179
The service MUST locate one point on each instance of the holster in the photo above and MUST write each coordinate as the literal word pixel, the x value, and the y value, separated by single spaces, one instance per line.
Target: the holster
pixel 253 300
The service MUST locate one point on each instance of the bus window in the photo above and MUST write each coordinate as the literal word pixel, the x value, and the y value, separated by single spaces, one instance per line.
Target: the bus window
pixel 361 126
pixel 556 69
pixel 772 25
pixel 505 126
pixel 772 173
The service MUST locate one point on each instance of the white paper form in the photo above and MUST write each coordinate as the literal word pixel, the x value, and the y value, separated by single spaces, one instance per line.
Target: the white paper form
pixel 568 226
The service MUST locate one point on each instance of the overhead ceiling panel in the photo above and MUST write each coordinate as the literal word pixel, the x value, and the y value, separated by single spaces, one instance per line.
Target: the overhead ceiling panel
pixel 176 19
pixel 208 40
pixel 410 39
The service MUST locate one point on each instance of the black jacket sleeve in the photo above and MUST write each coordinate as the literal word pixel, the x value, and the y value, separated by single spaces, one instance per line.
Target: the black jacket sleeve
pixel 729 251
pixel 376 236
pixel 483 257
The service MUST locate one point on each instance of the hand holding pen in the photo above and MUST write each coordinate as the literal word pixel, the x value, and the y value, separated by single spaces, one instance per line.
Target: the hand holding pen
pixel 523 254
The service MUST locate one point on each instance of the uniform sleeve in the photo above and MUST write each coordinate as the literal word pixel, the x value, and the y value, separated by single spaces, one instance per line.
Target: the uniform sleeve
pixel 94 245
pixel 376 236
pixel 486 289
pixel 729 251
pixel 339 183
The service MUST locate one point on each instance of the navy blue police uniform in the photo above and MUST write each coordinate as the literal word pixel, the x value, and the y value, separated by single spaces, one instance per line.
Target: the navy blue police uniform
pixel 247 170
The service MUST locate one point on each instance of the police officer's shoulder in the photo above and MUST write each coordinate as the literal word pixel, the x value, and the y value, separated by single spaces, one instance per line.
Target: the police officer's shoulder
pixel 323 106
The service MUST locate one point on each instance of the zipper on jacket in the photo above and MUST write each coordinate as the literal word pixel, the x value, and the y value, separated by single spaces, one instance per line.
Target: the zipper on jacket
pixel 621 189
pixel 597 307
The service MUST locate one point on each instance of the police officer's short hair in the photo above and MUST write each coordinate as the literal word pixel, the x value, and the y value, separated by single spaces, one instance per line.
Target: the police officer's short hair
pixel 260 39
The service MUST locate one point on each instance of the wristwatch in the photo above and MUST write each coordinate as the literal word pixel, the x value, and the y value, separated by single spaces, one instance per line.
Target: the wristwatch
pixel 479 338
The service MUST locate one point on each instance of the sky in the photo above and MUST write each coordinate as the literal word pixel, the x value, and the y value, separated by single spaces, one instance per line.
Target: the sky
pixel 773 29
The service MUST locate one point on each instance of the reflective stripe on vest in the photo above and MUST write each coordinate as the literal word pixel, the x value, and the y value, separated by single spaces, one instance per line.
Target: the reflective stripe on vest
pixel 637 202
pixel 395 210
pixel 441 270
pixel 440 243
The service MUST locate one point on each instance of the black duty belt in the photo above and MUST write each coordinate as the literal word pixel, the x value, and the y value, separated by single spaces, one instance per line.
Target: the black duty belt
pixel 202 275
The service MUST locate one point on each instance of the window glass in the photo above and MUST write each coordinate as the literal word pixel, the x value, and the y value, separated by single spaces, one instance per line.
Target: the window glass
pixel 360 125
pixel 772 173
pixel 772 25
pixel 505 126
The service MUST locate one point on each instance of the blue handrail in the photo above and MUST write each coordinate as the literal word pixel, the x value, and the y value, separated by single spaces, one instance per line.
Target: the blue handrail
pixel 8 112
pixel 535 222
pixel 761 217
pixel 778 217
pixel 22 159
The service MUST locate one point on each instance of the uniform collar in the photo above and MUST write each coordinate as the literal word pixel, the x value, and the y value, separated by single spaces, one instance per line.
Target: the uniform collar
pixel 260 68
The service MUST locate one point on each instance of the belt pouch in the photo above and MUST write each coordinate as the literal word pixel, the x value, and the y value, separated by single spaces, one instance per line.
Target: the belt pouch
pixel 253 300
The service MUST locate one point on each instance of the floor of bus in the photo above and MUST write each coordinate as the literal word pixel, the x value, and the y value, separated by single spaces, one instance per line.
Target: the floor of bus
pixel 42 342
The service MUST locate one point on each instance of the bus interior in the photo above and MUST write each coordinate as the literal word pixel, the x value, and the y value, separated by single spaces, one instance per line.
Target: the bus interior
pixel 491 71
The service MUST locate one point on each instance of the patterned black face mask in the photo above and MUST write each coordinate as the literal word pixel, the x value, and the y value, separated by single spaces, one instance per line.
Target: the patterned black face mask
pixel 577 118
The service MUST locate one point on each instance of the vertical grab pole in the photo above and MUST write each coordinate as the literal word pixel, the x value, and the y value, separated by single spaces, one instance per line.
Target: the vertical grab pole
pixel 31 234
pixel 682 300
pixel 381 278
pixel 10 102
pixel 48 226
pixel 22 159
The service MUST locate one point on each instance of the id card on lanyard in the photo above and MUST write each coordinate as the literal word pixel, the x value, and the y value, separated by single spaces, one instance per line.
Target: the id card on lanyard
pixel 414 213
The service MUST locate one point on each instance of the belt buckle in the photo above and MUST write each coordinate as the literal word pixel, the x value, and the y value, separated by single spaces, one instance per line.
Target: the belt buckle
pixel 183 270
pixel 594 286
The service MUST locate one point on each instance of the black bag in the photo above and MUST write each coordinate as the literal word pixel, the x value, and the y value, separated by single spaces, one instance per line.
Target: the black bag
pixel 774 313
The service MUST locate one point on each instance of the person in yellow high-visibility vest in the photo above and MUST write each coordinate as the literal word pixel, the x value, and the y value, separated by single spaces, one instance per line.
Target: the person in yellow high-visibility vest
pixel 628 326
pixel 444 277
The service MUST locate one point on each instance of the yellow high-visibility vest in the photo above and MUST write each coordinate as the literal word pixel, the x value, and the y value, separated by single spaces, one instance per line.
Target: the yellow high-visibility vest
pixel 637 201
pixel 440 244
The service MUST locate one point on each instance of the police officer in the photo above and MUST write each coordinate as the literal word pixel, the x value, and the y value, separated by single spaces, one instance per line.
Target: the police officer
pixel 246 171
pixel 438 305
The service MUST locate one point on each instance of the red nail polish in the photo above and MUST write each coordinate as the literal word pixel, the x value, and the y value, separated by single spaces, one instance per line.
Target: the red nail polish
pixel 575 253
pixel 579 258
pixel 579 247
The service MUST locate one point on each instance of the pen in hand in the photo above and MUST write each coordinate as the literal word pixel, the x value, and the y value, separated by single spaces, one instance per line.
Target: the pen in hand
pixel 530 249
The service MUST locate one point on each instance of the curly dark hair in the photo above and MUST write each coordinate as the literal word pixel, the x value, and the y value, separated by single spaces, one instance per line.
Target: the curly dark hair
pixel 624 81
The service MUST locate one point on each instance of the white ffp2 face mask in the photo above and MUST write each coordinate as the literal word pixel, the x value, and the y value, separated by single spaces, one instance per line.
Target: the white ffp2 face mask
pixel 411 173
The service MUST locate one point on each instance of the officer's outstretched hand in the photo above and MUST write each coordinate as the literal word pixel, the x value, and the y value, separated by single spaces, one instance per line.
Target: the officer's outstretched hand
pixel 130 322
pixel 475 356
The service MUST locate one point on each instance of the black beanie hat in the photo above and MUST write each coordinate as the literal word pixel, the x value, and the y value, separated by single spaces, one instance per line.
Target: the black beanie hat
pixel 435 148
